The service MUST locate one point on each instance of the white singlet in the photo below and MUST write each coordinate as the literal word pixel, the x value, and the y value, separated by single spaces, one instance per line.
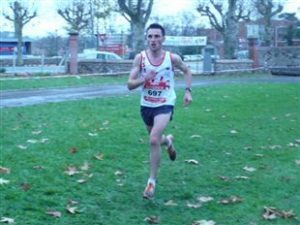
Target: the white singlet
pixel 159 91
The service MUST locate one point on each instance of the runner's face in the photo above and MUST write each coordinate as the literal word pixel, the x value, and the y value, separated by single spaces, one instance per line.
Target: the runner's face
pixel 155 39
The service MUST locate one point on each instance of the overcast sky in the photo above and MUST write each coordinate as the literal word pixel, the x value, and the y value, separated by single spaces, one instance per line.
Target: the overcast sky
pixel 48 21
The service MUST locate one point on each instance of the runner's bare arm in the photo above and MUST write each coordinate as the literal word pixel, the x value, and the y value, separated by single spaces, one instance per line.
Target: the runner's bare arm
pixel 179 64
pixel 134 79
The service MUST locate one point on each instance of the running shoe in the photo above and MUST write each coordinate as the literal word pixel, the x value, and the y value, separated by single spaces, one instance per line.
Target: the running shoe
pixel 171 148
pixel 149 191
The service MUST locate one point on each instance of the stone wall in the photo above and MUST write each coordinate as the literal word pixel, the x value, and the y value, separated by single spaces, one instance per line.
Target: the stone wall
pixel 233 65
pixel 31 61
pixel 95 66
pixel 279 57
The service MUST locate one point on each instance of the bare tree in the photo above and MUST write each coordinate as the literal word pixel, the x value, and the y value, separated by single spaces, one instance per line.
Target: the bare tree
pixel 225 21
pixel 268 9
pixel 137 13
pixel 21 16
pixel 77 15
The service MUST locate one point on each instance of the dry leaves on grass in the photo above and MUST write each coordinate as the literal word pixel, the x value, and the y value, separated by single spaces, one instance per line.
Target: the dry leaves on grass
pixel 72 207
pixel 7 220
pixel 56 214
pixel 192 161
pixel 205 199
pixel 249 169
pixel 72 170
pixel 26 186
pixel 3 181
pixel 231 200
pixel 170 203
pixel 152 219
pixel 271 213
pixel 195 136
pixel 204 222
pixel 4 170
pixel 99 156
pixel 194 205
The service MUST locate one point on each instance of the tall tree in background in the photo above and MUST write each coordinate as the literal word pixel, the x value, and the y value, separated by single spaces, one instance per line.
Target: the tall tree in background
pixel 268 9
pixel 101 10
pixel 225 20
pixel 291 32
pixel 21 16
pixel 137 13
pixel 77 15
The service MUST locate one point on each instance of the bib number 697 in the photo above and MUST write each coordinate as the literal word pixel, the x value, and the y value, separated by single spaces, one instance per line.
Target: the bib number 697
pixel 154 93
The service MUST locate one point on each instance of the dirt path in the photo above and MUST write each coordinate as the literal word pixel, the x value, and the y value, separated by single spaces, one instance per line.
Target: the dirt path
pixel 41 96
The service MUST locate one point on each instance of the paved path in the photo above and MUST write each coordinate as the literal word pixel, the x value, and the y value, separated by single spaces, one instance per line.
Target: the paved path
pixel 39 96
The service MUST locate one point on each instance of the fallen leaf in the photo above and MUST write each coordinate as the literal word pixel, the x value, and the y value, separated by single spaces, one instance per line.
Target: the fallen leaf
pixel 231 200
pixel 224 178
pixel 72 209
pixel 23 147
pixel 204 222
pixel 249 169
pixel 38 167
pixel 55 214
pixel 106 122
pixel 85 166
pixel 271 213
pixel 4 170
pixel 233 132
pixel 192 161
pixel 3 181
pixel 152 219
pixel 71 170
pixel 32 141
pixel 118 173
pixel 196 136
pixel 193 205
pixel 26 186
pixel 7 220
pixel 205 199
pixel 43 140
pixel 92 134
pixel 273 147
pixel 99 156
pixel 73 150
pixel 242 178
pixel 170 203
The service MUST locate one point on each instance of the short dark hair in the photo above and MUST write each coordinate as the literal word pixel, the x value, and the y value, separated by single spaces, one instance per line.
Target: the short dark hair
pixel 156 26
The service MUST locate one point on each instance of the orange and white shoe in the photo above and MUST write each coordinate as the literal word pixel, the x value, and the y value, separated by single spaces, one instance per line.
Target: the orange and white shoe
pixel 171 148
pixel 149 191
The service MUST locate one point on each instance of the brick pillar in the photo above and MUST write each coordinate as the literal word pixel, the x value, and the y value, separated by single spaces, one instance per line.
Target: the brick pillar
pixel 73 52
pixel 253 53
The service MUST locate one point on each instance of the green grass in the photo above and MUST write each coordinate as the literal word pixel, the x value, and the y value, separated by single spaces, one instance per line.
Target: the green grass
pixel 266 118
pixel 54 82
pixel 36 82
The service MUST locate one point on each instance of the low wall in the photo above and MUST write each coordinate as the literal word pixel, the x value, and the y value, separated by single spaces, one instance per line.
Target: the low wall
pixel 31 62
pixel 280 56
pixel 232 65
pixel 97 66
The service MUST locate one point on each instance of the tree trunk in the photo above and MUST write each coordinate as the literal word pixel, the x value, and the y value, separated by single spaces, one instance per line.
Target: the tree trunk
pixel 19 36
pixel 231 32
pixel 138 37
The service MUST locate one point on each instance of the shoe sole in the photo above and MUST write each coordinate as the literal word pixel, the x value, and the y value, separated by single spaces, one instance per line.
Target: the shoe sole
pixel 171 149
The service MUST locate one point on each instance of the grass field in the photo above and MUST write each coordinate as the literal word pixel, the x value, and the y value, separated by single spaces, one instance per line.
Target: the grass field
pixel 37 82
pixel 86 162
